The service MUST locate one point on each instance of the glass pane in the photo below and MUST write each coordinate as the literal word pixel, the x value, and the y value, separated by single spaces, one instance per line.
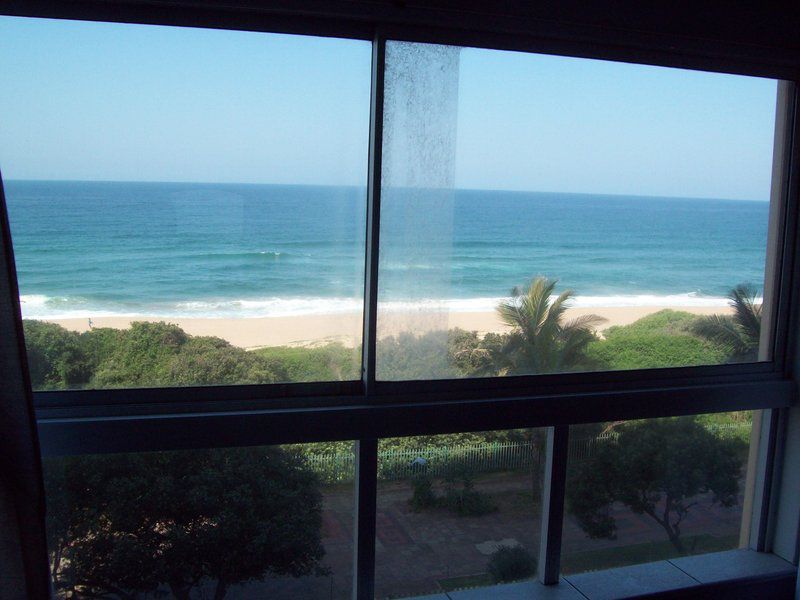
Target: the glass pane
pixel 187 205
pixel 457 511
pixel 642 491
pixel 268 522
pixel 548 214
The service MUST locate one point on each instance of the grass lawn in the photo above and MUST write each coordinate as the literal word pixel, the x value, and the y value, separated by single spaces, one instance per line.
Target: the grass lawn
pixel 451 584
pixel 595 560
pixel 608 558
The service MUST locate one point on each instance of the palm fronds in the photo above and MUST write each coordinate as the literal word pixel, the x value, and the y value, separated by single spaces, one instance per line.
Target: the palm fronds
pixel 539 341
pixel 740 333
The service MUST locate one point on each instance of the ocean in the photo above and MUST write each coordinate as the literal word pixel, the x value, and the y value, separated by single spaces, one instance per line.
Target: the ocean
pixel 88 249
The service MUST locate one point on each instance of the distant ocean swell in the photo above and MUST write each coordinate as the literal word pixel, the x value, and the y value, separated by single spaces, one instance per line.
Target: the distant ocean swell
pixel 162 250
pixel 43 307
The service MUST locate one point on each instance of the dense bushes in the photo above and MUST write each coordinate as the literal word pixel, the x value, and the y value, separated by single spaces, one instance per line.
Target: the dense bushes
pixel 155 354
pixel 511 563
pixel 460 496
pixel 662 339
pixel 161 354
pixel 127 525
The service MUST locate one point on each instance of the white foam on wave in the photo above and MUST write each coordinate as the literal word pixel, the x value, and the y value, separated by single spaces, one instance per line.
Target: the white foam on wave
pixel 650 300
pixel 37 306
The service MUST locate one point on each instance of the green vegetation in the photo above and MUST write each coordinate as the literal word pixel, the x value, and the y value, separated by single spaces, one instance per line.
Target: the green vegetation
pixel 540 341
pixel 135 524
pixel 634 554
pixel 739 334
pixel 453 584
pixel 332 362
pixel 460 496
pixel 663 339
pixel 161 354
pixel 511 564
pixel 125 525
pixel 656 468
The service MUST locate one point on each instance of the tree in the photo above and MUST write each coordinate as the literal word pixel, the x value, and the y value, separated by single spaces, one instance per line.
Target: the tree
pixel 657 468
pixel 739 334
pixel 540 341
pixel 158 354
pixel 125 525
pixel 56 357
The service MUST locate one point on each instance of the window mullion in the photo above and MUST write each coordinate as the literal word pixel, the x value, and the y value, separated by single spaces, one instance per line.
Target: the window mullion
pixel 366 484
pixel 554 489
pixel 373 216
pixel 366 473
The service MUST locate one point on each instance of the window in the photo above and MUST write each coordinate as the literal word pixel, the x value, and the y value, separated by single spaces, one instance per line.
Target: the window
pixel 186 208
pixel 234 522
pixel 519 185
pixel 256 264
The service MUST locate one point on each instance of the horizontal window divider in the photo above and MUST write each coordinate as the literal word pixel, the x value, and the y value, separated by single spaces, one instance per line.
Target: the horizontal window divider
pixel 62 434
pixel 597 34
pixel 293 394
pixel 585 381
pixel 337 393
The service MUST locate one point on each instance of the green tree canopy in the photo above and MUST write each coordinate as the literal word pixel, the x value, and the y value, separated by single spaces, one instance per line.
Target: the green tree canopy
pixel 657 468
pixel 126 525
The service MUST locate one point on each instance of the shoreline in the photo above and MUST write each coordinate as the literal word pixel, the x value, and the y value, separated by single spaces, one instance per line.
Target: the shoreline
pixel 251 333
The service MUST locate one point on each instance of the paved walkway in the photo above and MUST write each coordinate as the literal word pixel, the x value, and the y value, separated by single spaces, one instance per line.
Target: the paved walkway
pixel 414 551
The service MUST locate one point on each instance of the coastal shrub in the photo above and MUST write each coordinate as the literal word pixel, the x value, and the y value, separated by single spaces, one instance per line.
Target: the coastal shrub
pixel 423 495
pixel 659 340
pixel 511 563
pixel 56 357
pixel 99 343
pixel 140 356
pixel 474 356
pixel 331 362
pixel 408 356
pixel 664 321
pixel 463 499
pixel 210 360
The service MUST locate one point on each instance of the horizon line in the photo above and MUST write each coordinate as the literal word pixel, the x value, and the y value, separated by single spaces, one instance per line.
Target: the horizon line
pixel 364 186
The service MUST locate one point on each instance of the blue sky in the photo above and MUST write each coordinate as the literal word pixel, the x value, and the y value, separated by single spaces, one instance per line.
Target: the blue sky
pixel 123 102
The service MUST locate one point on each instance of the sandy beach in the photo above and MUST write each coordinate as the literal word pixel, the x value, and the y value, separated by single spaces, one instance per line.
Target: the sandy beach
pixel 312 330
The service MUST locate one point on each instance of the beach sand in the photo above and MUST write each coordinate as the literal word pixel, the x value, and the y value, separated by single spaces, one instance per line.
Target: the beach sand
pixel 314 330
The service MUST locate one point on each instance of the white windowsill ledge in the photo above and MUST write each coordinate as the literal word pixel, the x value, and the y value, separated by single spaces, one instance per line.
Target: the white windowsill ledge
pixel 648 578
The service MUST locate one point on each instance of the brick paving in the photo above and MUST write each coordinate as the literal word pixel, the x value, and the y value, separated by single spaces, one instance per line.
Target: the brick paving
pixel 415 550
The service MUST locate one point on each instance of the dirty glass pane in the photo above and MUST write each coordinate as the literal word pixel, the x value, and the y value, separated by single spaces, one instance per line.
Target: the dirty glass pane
pixel 457 511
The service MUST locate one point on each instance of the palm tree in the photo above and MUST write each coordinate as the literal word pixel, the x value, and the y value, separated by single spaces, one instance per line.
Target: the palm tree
pixel 539 341
pixel 740 333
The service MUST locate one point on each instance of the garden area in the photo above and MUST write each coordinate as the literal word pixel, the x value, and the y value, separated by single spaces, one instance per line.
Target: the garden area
pixel 453 511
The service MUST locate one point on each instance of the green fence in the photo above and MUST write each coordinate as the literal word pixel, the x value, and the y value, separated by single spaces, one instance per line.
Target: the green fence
pixel 438 462
pixel 443 461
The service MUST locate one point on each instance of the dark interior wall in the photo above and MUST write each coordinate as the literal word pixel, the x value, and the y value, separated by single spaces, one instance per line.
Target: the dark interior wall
pixel 753 35
pixel 748 30
pixel 22 536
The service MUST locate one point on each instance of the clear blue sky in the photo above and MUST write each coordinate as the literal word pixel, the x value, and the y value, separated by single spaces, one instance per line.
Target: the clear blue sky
pixel 122 102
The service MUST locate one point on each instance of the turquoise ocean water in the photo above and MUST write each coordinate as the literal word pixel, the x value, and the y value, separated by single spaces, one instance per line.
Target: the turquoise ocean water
pixel 202 250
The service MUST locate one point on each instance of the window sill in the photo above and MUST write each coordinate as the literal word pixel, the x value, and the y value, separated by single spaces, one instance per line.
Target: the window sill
pixel 689 576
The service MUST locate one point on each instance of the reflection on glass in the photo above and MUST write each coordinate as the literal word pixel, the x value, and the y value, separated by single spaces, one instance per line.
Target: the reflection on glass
pixel 545 214
pixel 233 523
pixel 457 511
pixel 642 491
pixel 185 209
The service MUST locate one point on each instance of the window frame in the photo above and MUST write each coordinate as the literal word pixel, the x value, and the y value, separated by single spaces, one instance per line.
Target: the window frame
pixel 134 420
